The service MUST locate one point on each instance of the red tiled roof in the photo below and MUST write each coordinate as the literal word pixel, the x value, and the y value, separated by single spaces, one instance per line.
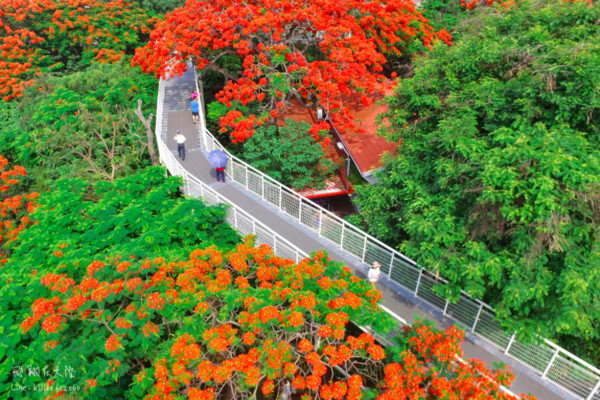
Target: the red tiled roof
pixel 363 143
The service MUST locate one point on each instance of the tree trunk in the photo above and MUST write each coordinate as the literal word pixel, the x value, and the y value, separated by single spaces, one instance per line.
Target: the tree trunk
pixel 149 134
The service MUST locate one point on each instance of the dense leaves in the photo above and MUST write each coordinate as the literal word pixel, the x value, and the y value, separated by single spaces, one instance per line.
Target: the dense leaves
pixel 80 125
pixel 39 36
pixel 290 155
pixel 272 51
pixel 139 216
pixel 497 181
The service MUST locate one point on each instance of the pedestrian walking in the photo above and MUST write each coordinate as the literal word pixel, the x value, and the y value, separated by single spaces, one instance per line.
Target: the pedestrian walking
pixel 180 139
pixel 220 174
pixel 194 95
pixel 286 393
pixel 218 159
pixel 374 274
pixel 195 109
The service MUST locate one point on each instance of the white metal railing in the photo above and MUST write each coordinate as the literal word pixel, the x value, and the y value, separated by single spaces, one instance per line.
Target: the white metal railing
pixel 552 362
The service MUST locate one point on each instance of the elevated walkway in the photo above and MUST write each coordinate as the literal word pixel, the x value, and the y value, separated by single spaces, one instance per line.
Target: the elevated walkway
pixel 263 208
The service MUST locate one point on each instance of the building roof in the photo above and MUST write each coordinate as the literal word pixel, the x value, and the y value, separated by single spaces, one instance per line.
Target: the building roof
pixel 363 143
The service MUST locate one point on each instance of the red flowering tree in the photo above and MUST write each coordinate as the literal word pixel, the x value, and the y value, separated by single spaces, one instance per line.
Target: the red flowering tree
pixel 237 325
pixel 37 36
pixel 271 51
pixel 14 209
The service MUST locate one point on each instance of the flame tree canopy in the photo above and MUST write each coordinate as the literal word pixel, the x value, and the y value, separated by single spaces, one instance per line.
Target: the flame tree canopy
pixel 272 51
pixel 237 325
pixel 38 36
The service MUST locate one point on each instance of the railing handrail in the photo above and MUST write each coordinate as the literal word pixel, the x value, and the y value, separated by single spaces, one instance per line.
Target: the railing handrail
pixel 207 136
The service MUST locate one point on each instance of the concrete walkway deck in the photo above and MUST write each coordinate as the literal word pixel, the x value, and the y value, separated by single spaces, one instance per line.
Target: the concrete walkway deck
pixel 403 303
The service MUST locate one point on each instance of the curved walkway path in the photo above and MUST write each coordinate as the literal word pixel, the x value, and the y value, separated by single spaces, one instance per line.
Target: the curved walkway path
pixel 173 114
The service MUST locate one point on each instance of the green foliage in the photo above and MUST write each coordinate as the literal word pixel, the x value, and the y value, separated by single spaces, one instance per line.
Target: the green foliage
pixel 138 217
pixel 82 125
pixel 290 155
pixel 160 6
pixel 445 14
pixel 497 181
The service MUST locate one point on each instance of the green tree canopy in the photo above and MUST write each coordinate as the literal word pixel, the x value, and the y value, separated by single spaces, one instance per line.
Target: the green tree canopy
pixel 140 216
pixel 497 181
pixel 80 125
pixel 290 155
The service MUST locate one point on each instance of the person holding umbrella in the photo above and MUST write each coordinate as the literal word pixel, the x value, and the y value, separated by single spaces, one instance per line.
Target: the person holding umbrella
pixel 218 159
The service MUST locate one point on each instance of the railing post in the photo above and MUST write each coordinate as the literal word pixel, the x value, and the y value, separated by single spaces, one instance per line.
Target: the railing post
pixel 550 363
pixel 262 190
pixel 364 250
pixel 477 317
pixel 510 342
pixel 280 197
pixel 253 226
pixel 446 307
pixel 594 391
pixel 391 265
pixel 235 223
pixel 247 181
pixel 342 236
pixel 300 210
pixel 418 282
pixel 320 222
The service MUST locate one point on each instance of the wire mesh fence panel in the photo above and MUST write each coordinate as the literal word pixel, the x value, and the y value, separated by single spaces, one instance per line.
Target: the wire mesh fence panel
pixel 272 193
pixel 211 198
pixel 194 189
pixel 464 311
pixel 264 236
pixel 425 291
pixel 404 274
pixel 255 183
pixel 536 355
pixel 572 377
pixel 331 229
pixel 212 144
pixel 284 250
pixel 290 204
pixel 597 394
pixel 488 328
pixel 309 216
pixel 239 173
pixel 354 243
pixel 245 225
pixel 374 252
pixel 230 218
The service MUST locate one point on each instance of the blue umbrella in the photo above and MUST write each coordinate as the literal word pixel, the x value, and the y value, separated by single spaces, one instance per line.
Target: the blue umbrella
pixel 218 158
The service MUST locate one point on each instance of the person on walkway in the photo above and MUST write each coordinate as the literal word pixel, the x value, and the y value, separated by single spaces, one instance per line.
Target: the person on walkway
pixel 286 393
pixel 374 274
pixel 220 174
pixel 180 139
pixel 195 109
pixel 194 95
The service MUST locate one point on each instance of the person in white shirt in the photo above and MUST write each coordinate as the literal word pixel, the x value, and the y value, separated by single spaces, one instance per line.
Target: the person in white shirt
pixel 180 139
pixel 374 273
